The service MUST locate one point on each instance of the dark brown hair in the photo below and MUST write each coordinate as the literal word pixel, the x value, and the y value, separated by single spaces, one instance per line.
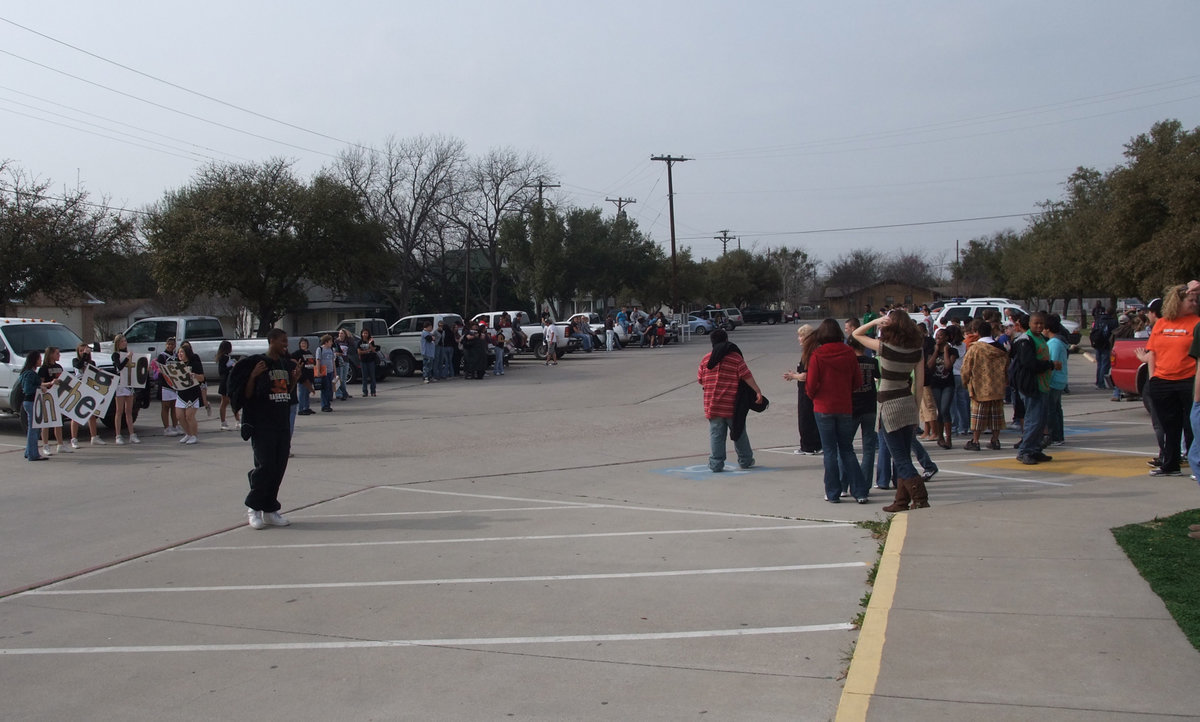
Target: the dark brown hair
pixel 900 331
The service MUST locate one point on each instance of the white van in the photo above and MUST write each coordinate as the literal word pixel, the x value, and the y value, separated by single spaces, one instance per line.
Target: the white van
pixel 19 336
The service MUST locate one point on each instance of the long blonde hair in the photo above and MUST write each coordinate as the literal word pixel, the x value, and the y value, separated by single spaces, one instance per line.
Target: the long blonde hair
pixel 1172 301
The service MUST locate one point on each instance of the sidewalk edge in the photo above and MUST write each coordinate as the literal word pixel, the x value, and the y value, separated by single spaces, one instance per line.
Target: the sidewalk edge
pixel 868 652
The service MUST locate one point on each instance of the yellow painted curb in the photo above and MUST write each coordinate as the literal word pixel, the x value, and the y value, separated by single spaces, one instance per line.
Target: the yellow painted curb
pixel 868 653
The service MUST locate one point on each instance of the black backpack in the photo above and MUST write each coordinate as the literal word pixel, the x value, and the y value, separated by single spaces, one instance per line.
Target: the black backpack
pixel 1100 337
pixel 235 384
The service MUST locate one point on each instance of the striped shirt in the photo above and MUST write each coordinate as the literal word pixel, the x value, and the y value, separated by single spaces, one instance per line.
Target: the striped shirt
pixel 897 405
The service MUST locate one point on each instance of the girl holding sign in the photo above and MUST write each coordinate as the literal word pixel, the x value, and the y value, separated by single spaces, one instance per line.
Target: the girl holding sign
pixel 122 359
pixel 189 399
pixel 30 387
pixel 83 359
pixel 49 372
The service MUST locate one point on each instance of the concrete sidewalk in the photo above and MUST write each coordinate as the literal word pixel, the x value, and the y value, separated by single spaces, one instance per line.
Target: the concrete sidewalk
pixel 1024 608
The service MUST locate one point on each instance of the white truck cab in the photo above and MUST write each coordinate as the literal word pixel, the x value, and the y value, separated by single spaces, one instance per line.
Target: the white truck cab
pixel 19 336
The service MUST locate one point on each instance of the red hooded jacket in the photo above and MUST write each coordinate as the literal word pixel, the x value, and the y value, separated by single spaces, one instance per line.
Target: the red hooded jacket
pixel 833 375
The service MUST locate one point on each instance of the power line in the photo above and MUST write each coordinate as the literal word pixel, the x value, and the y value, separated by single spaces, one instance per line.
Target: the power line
pixel 194 157
pixel 110 120
pixel 875 228
pixel 167 108
pixel 175 85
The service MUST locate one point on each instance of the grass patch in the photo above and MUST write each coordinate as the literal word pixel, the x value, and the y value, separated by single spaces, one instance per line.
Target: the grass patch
pixel 879 531
pixel 1168 559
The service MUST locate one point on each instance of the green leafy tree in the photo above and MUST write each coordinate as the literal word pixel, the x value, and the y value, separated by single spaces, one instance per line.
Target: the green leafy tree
pixel 59 247
pixel 979 268
pixel 258 232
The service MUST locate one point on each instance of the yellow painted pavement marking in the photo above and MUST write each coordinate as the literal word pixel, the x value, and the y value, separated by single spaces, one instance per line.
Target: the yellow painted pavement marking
pixel 868 652
pixel 1083 463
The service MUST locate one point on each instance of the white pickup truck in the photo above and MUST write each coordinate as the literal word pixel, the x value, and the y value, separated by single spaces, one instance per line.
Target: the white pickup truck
pixel 400 343
pixel 19 336
pixel 536 337
pixel 205 334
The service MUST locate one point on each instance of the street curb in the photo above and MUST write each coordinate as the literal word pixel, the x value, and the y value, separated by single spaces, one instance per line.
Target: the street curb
pixel 868 652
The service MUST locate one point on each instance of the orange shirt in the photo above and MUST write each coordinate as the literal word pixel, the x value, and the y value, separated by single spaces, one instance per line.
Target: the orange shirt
pixel 1171 341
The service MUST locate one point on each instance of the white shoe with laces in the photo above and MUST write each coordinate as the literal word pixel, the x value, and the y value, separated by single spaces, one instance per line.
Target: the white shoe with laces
pixel 97 441
pixel 133 439
pixel 255 519
pixel 119 441
pixel 74 444
pixel 62 448
pixel 274 518
pixel 184 439
pixel 191 440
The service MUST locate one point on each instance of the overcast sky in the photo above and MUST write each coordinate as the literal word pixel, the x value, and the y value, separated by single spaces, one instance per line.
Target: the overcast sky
pixel 802 119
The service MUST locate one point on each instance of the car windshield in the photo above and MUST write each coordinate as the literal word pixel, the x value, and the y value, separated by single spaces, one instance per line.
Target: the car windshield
pixel 26 337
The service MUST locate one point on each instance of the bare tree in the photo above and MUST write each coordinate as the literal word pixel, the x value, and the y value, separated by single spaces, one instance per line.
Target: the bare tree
pixel 407 187
pixel 500 183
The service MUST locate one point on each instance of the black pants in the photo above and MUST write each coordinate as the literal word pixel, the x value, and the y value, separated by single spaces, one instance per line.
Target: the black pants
pixel 1171 403
pixel 271 447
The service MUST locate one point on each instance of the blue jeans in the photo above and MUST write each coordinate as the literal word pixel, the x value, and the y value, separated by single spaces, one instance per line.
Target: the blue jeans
pixel 899 444
pixel 427 366
pixel 368 377
pixel 718 431
pixel 962 406
pixel 944 400
pixel 499 368
pixel 1103 369
pixel 327 391
pixel 303 395
pixel 865 425
pixel 1035 421
pixel 32 435
pixel 344 373
pixel 1193 456
pixel 1054 414
pixel 837 444
pixel 883 469
pixel 445 362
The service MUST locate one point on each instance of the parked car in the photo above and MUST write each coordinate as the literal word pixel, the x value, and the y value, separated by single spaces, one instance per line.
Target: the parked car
pixel 721 318
pixel 1128 373
pixel 761 314
pixel 699 324
pixel 383 365
pixel 973 308
pixel 204 333
pixel 19 336
pixel 535 337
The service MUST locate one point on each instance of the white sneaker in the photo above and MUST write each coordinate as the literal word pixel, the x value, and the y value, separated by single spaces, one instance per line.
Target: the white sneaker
pixel 46 450
pixel 66 449
pixel 255 518
pixel 97 441
pixel 171 431
pixel 120 441
pixel 184 439
pixel 224 426
pixel 191 439
pixel 133 439
pixel 74 444
pixel 274 518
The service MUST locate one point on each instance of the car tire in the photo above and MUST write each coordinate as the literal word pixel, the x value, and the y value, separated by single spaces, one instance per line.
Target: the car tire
pixel 772 321
pixel 403 364
pixel 702 330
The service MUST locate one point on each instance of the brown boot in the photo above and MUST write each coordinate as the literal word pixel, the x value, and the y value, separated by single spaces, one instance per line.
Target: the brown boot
pixel 900 503
pixel 916 488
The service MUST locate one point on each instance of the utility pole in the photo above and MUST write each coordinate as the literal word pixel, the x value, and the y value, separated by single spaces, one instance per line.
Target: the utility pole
pixel 670 161
pixel 542 185
pixel 621 203
pixel 725 238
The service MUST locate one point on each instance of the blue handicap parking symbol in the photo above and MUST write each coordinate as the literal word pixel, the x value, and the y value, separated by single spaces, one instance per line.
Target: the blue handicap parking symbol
pixel 700 472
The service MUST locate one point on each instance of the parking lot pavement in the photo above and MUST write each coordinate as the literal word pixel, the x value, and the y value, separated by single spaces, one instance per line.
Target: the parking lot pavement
pixel 534 545
pixel 544 545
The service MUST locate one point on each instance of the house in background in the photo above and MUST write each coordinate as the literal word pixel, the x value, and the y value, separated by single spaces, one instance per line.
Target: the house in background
pixel 79 314
pixel 853 302
pixel 324 311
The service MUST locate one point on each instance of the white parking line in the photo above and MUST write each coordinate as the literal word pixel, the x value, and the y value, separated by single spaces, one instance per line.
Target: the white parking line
pixel 441 582
pixel 1003 478
pixel 436 512
pixel 541 537
pixel 464 642
pixel 586 505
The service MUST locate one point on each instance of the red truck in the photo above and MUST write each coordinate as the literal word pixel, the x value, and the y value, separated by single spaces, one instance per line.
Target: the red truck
pixel 1128 373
